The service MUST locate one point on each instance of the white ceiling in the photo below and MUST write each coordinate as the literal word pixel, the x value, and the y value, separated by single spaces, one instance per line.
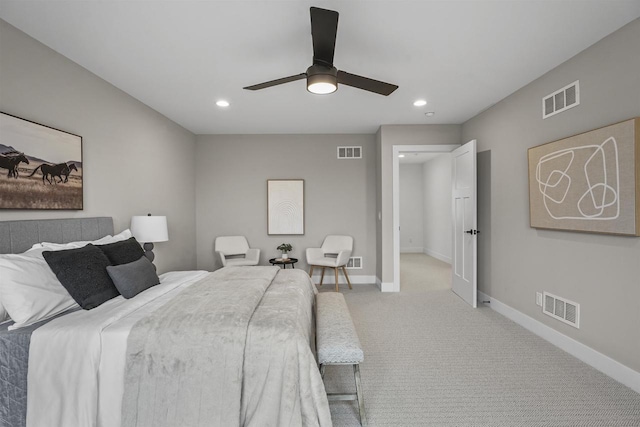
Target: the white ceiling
pixel 180 57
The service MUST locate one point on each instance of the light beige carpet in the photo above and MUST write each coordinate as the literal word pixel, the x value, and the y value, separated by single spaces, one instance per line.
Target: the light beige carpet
pixel 420 273
pixel 432 360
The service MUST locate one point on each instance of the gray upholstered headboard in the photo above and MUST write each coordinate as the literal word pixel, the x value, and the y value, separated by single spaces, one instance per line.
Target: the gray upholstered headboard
pixel 18 236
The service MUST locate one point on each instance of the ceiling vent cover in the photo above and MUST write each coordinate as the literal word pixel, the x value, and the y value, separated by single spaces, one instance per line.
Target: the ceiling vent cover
pixel 562 309
pixel 355 263
pixel 350 152
pixel 561 100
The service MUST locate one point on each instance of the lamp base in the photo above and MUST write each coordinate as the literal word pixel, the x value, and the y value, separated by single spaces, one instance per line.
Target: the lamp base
pixel 148 251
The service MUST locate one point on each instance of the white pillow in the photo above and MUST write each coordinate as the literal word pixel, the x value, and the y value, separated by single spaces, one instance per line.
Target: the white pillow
pixel 29 290
pixel 82 243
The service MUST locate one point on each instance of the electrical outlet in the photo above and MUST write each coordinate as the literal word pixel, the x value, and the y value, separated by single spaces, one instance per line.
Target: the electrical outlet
pixel 539 299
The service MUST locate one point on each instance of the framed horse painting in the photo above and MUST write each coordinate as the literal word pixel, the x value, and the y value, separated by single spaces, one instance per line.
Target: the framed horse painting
pixel 40 167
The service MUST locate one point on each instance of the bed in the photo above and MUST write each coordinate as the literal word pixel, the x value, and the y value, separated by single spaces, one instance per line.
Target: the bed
pixel 230 348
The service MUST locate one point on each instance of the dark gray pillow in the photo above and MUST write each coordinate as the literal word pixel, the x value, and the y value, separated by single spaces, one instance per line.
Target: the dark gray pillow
pixel 132 278
pixel 83 273
pixel 122 252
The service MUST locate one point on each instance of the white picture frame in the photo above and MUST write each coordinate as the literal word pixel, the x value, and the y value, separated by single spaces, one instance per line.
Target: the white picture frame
pixel 285 206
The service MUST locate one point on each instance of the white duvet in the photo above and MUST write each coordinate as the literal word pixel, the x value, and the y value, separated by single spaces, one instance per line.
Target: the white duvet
pixel 85 348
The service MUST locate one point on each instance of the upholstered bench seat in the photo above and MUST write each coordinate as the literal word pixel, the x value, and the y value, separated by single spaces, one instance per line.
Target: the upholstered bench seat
pixel 337 340
pixel 337 343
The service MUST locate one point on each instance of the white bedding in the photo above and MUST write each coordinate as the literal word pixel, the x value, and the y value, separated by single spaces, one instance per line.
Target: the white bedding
pixel 83 348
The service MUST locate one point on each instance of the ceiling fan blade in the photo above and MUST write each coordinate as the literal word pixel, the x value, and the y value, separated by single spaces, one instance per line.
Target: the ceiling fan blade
pixel 324 26
pixel 366 83
pixel 277 82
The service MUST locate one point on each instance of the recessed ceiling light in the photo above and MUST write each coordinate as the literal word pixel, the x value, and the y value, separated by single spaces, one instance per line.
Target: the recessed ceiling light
pixel 401 155
pixel 222 103
pixel 429 114
pixel 420 103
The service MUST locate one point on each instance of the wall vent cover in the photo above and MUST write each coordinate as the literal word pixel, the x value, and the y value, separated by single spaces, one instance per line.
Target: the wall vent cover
pixel 562 309
pixel 561 100
pixel 355 263
pixel 350 152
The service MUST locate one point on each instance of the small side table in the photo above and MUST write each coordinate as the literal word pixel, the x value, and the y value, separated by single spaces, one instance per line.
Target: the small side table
pixel 284 262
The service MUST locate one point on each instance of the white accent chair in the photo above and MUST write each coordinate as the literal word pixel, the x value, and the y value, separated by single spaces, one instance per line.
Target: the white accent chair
pixel 334 253
pixel 235 251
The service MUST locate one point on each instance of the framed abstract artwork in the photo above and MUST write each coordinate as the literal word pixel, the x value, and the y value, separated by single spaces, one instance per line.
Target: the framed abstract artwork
pixel 588 182
pixel 285 206
pixel 40 167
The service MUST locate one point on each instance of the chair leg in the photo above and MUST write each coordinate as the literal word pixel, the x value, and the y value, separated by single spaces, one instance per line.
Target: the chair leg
pixel 322 368
pixel 344 270
pixel 311 271
pixel 363 416
pixel 322 277
pixel 337 287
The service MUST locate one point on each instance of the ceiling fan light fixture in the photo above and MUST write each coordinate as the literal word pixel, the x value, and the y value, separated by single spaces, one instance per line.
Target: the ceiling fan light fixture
pixel 321 87
pixel 322 80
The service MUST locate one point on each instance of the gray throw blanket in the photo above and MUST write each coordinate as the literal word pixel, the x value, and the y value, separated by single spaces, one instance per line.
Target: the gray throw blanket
pixel 230 350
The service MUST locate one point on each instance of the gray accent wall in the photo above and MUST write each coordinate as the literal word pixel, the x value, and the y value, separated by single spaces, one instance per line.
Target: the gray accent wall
pixel 135 160
pixel 231 192
pixel 600 272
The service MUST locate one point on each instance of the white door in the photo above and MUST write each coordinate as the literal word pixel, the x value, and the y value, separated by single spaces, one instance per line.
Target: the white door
pixel 465 221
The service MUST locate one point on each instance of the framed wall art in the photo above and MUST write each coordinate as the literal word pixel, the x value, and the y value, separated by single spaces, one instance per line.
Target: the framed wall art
pixel 588 182
pixel 40 167
pixel 285 206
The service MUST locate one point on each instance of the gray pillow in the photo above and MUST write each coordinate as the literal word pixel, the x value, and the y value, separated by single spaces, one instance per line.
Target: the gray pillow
pixel 122 252
pixel 132 278
pixel 82 273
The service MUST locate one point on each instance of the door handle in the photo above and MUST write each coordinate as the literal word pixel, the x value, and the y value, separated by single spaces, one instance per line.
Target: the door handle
pixel 472 231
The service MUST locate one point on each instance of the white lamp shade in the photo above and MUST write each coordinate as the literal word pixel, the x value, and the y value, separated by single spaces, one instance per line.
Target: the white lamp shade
pixel 149 229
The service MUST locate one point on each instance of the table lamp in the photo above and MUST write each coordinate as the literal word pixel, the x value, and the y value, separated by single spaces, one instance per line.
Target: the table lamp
pixel 149 229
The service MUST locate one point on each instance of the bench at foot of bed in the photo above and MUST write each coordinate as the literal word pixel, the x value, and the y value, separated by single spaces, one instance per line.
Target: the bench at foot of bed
pixel 338 343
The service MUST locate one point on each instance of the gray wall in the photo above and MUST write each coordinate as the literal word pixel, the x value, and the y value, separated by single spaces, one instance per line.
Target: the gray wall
pixel 437 207
pixel 231 192
pixel 599 272
pixel 411 208
pixel 390 135
pixel 135 160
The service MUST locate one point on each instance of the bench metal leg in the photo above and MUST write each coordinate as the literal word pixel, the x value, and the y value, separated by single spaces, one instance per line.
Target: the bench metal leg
pixel 350 396
pixel 363 416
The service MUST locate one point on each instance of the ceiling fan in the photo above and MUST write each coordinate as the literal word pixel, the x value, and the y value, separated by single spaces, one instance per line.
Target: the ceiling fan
pixel 322 77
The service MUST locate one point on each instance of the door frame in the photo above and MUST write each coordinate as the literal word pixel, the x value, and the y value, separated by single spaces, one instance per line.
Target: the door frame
pixel 397 150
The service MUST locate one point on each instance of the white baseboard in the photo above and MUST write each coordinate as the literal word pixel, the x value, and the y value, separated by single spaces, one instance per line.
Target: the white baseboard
pixel 597 360
pixel 330 279
pixel 438 255
pixel 387 287
pixel 412 250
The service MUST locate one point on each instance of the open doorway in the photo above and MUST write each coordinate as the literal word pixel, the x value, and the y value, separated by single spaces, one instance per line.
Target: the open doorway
pixel 425 221
pixel 422 217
